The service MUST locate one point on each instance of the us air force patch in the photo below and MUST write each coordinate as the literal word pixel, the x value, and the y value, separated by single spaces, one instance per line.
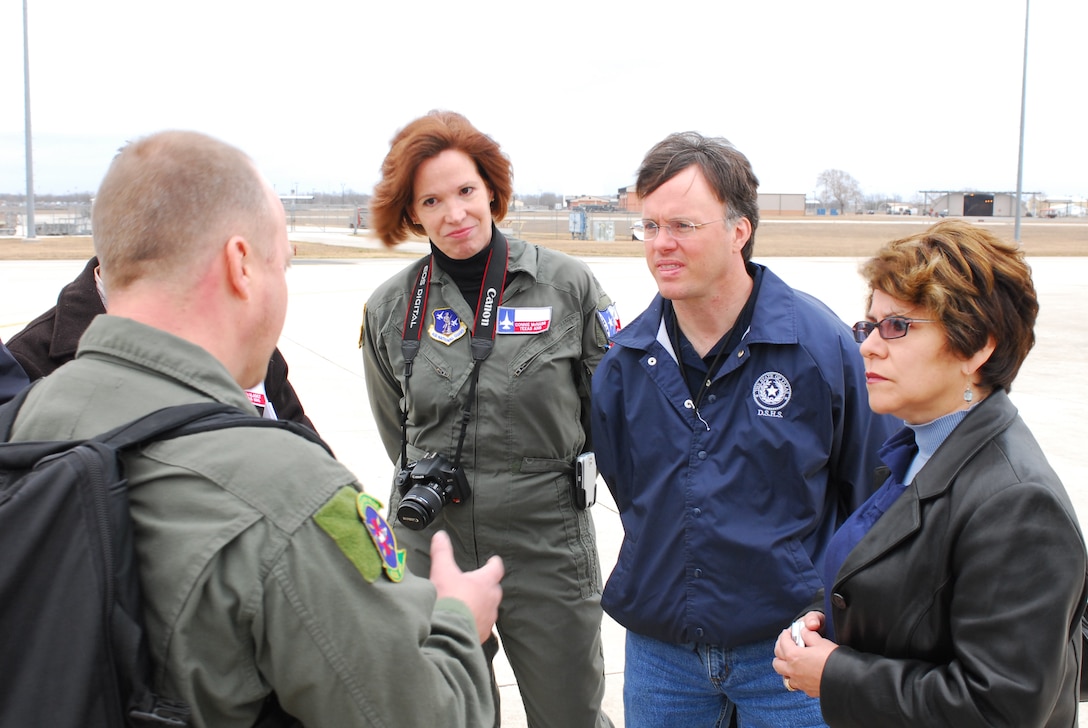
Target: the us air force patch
pixel 772 392
pixel 382 536
pixel 447 326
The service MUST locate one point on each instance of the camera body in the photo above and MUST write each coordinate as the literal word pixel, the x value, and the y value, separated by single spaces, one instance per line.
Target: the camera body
pixel 426 486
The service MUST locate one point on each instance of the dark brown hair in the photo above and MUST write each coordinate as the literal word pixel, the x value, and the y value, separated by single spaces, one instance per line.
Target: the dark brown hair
pixel 727 171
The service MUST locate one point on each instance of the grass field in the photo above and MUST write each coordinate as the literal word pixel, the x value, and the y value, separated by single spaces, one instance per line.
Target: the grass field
pixel 795 237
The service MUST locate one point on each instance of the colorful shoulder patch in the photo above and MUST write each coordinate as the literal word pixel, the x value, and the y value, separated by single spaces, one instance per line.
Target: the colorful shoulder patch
pixel 369 549
pixel 610 320
pixel 382 535
pixel 338 518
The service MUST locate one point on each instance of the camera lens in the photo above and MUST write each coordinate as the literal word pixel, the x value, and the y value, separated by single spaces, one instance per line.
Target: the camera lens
pixel 419 507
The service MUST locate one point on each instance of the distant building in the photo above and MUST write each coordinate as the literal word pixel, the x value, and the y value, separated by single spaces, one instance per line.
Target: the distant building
pixel 973 204
pixel 1062 207
pixel 591 203
pixel 289 200
pixel 771 204
pixel 774 204
pixel 900 208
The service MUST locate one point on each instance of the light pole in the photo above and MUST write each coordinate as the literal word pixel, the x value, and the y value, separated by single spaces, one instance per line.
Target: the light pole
pixel 30 227
pixel 1023 102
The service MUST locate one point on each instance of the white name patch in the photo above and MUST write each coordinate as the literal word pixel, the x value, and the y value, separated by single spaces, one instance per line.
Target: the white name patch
pixel 524 320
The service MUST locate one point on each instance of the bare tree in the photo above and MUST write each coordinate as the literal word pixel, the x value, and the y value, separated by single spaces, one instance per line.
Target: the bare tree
pixel 550 200
pixel 875 202
pixel 541 199
pixel 839 187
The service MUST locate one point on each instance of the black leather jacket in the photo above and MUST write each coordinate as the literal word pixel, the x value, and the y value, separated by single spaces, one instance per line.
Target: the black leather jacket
pixel 962 605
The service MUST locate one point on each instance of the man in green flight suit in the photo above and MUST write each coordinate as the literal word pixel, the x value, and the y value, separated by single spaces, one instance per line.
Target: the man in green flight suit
pixel 261 561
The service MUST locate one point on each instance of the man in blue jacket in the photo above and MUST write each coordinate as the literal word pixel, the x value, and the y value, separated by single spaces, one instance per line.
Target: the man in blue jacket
pixel 731 423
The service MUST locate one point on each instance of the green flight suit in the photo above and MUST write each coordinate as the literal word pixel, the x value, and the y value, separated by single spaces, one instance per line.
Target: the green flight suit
pixel 527 426
pixel 252 580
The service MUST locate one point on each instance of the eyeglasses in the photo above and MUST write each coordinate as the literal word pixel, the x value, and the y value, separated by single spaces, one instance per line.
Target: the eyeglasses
pixel 893 327
pixel 679 229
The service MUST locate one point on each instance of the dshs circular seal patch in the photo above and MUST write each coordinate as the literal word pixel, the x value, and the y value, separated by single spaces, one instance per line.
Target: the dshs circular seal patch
pixel 772 391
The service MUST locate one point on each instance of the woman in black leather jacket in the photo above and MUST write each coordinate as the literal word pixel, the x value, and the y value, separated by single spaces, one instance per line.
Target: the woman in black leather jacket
pixel 955 593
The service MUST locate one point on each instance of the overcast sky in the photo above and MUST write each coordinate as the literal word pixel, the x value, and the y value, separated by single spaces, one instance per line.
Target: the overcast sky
pixel 903 96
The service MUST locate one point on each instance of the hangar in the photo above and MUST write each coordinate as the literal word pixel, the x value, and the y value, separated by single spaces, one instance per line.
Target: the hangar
pixel 974 204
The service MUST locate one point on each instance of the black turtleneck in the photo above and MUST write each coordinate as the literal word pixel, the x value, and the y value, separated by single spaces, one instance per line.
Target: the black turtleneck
pixel 696 369
pixel 468 274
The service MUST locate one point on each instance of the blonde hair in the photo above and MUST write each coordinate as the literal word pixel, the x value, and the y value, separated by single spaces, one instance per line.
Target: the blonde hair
pixel 168 199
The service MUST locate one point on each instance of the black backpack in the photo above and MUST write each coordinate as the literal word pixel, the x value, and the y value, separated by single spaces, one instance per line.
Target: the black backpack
pixel 72 646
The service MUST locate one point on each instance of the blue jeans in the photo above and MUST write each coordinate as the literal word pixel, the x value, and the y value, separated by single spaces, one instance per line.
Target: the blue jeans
pixel 698 686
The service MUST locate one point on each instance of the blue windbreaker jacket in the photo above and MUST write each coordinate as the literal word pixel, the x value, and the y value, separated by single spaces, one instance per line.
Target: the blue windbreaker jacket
pixel 725 523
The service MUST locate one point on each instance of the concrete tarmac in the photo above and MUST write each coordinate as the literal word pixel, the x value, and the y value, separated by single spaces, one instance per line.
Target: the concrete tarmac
pixel 321 335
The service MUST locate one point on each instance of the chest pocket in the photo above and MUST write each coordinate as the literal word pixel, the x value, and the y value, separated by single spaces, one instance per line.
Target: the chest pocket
pixel 560 341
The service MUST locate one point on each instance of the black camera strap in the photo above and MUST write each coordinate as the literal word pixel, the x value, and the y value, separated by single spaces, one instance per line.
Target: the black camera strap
pixel 483 332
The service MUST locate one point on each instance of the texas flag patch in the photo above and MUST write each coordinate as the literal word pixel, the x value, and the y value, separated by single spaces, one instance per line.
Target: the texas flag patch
pixel 524 320
pixel 610 320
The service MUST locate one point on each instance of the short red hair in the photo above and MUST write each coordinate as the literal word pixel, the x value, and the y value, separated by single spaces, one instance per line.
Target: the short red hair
pixel 422 139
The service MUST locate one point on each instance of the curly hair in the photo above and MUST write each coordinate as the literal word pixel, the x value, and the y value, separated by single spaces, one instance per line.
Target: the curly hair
pixel 977 285
pixel 424 138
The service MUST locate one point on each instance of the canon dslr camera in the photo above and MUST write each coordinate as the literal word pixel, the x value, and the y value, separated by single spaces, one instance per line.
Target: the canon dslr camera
pixel 426 486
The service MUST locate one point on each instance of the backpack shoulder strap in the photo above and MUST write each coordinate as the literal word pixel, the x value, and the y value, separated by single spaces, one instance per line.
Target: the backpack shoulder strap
pixel 220 421
pixel 162 424
pixel 186 419
pixel 190 419
pixel 155 424
pixel 141 429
